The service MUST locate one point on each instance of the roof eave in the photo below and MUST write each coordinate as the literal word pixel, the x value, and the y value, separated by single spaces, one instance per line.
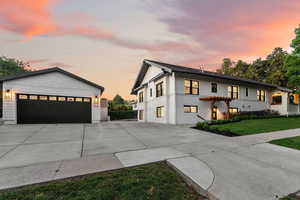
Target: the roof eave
pixel 50 70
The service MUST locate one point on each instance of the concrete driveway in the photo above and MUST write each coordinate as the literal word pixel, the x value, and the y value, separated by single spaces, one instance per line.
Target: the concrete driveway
pixel 228 168
pixel 22 145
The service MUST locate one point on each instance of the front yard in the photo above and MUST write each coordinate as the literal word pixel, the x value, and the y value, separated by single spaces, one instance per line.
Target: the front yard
pixel 154 181
pixel 248 127
pixel 293 142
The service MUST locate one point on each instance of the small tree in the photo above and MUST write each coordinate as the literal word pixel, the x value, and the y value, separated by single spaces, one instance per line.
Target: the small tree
pixel 293 62
pixel 118 100
pixel 9 66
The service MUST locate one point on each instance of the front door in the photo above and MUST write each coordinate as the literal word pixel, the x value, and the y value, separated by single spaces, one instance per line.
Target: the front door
pixel 214 115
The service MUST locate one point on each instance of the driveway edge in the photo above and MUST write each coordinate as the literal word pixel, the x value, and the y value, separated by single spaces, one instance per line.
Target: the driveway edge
pixel 196 173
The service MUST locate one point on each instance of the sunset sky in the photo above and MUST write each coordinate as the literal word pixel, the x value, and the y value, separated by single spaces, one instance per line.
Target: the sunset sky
pixel 106 41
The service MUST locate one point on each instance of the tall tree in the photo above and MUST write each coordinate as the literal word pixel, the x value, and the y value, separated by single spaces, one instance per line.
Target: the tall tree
pixel 9 66
pixel 227 67
pixel 240 69
pixel 293 62
pixel 276 69
pixel 258 70
pixel 271 69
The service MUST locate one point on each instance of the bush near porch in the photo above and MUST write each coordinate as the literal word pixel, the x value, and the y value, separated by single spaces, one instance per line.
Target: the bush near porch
pixel 250 124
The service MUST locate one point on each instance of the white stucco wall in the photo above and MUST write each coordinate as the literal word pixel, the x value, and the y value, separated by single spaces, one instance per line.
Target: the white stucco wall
pixel 292 109
pixel 244 103
pixel 151 73
pixel 283 107
pixel 286 108
pixel 152 102
pixel 174 99
pixel 54 83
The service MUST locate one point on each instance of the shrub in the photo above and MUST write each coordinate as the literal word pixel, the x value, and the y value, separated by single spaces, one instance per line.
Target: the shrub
pixel 118 115
pixel 208 125
pixel 202 125
pixel 256 114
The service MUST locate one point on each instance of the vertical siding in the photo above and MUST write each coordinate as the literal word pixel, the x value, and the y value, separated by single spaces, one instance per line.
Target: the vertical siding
pixel 53 83
pixel 1 99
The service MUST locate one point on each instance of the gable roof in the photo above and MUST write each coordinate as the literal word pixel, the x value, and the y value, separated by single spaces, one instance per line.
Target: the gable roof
pixel 50 70
pixel 169 68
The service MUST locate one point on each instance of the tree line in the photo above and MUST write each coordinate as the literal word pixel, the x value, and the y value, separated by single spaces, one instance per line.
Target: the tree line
pixel 279 67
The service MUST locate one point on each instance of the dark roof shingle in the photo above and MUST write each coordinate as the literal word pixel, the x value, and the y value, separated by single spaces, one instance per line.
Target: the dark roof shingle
pixel 177 68
pixel 50 70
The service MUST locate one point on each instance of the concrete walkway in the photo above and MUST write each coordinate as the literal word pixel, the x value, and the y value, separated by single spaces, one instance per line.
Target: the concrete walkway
pixel 224 168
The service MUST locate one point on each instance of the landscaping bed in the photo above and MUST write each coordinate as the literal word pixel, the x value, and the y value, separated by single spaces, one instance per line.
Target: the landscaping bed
pixel 240 126
pixel 153 181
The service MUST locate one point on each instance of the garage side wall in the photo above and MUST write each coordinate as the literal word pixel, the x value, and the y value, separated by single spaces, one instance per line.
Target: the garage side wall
pixel 54 83
pixel 1 99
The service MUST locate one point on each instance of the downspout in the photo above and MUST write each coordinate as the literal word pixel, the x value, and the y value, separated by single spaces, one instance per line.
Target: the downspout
pixel 167 111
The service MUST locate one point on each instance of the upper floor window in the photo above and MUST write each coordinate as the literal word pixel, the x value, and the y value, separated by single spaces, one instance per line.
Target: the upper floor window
pixel 190 109
pixel 159 89
pixel 191 87
pixel 261 95
pixel 141 97
pixel 160 112
pixel 214 87
pixel 233 92
pixel 247 92
pixel 150 92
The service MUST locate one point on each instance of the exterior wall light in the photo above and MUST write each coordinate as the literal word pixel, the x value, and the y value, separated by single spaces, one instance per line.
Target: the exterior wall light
pixel 96 100
pixel 8 94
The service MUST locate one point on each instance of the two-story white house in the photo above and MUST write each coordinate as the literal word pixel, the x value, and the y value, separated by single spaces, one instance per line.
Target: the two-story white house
pixel 181 95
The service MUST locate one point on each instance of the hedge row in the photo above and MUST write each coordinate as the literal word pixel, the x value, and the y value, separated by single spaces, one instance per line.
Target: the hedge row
pixel 118 115
pixel 208 125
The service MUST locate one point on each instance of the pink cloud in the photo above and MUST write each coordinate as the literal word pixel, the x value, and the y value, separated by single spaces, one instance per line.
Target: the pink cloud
pixel 59 64
pixel 233 28
pixel 31 18
pixel 26 17
pixel 39 64
pixel 37 61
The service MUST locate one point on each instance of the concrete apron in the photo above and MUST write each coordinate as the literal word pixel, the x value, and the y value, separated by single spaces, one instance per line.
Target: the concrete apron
pixel 200 171
pixel 194 172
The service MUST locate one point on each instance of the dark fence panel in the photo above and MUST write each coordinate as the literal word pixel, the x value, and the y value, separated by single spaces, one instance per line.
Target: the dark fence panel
pixel 118 115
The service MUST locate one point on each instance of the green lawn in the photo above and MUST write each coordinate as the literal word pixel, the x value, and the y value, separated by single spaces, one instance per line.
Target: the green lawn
pixel 153 181
pixel 291 197
pixel 293 142
pixel 248 127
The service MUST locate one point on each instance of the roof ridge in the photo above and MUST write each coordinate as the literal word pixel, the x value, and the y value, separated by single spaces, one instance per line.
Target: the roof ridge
pixel 219 75
pixel 50 70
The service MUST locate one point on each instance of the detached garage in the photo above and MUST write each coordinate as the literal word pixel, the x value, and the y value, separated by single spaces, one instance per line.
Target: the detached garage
pixel 49 96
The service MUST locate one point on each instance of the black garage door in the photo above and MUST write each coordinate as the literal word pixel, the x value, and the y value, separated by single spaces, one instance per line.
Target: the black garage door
pixel 35 109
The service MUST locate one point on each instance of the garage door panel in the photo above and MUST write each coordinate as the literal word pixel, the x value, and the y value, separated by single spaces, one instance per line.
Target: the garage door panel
pixel 46 111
